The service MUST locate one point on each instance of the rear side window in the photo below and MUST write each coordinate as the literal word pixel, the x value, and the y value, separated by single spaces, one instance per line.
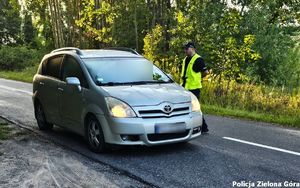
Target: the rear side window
pixel 71 68
pixel 52 67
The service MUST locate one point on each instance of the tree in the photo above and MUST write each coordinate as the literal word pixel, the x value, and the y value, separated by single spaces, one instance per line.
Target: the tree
pixel 131 31
pixel 29 31
pixel 246 40
pixel 10 22
pixel 153 44
pixel 40 12
pixel 96 20
pixel 72 33
pixel 56 21
pixel 273 40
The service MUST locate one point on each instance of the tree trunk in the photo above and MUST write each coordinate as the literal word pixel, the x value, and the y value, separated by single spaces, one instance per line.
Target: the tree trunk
pixel 97 22
pixel 136 30
pixel 59 23
pixel 52 18
pixel 167 34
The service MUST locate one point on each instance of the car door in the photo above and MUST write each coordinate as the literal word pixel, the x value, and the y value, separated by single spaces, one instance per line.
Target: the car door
pixel 71 99
pixel 48 87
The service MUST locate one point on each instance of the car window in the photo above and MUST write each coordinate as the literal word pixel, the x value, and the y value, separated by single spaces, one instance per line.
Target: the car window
pixel 71 68
pixel 52 67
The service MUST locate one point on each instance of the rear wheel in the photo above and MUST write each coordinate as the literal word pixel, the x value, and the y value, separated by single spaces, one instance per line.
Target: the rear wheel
pixel 95 136
pixel 40 118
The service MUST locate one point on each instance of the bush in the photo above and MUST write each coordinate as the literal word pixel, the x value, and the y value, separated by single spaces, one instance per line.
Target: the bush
pixel 18 58
pixel 249 97
pixel 281 103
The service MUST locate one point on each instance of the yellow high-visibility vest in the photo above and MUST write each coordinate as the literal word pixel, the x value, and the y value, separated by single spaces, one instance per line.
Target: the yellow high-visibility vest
pixel 193 79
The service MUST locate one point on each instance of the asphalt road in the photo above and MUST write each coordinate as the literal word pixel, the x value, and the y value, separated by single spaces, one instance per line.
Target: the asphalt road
pixel 234 150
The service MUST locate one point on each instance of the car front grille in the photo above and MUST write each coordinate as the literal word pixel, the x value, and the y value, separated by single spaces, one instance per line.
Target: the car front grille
pixel 157 113
pixel 167 136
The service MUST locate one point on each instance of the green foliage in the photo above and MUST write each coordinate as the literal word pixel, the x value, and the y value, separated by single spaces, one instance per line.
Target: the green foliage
pixel 97 22
pixel 17 58
pixel 273 42
pixel 182 33
pixel 281 119
pixel 250 41
pixel 39 10
pixel 289 70
pixel 10 22
pixel 130 32
pixel 250 46
pixel 153 43
pixel 225 49
pixel 24 75
pixel 253 98
pixel 29 31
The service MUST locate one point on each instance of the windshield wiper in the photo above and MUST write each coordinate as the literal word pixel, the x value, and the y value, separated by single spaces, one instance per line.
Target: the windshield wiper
pixel 138 82
pixel 146 82
pixel 163 82
pixel 109 84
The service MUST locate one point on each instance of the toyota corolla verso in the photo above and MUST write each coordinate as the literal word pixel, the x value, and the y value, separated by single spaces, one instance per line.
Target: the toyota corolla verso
pixel 113 96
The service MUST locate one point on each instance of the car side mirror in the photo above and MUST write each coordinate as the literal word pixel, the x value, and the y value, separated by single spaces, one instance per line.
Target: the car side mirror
pixel 170 76
pixel 73 81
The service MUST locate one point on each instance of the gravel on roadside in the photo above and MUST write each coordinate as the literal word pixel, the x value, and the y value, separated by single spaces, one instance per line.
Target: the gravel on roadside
pixel 27 160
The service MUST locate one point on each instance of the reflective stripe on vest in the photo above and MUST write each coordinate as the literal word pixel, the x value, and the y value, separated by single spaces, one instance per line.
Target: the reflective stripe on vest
pixel 193 79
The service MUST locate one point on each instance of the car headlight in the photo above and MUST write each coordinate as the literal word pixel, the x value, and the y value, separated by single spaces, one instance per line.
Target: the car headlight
pixel 118 108
pixel 195 103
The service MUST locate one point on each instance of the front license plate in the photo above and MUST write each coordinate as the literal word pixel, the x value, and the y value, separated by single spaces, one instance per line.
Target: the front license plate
pixel 170 127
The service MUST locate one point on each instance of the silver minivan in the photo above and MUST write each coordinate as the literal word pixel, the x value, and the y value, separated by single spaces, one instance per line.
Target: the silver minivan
pixel 113 96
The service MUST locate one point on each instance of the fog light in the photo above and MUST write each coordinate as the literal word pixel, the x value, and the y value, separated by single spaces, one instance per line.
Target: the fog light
pixel 132 138
pixel 196 130
pixel 125 137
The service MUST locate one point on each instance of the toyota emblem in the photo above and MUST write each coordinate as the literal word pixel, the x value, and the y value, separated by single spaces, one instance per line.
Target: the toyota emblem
pixel 168 109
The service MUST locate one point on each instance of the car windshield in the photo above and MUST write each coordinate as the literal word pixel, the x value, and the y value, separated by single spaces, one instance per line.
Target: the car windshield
pixel 120 71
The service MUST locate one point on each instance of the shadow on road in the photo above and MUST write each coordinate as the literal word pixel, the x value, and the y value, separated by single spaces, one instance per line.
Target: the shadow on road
pixel 64 135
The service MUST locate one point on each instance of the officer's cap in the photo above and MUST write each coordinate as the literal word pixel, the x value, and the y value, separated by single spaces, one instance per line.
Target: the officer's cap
pixel 189 45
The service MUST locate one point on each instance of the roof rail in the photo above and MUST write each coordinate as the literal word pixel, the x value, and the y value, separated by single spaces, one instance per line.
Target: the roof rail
pixel 77 50
pixel 123 49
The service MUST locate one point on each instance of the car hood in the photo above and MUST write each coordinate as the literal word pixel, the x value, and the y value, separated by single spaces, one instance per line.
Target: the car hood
pixel 150 94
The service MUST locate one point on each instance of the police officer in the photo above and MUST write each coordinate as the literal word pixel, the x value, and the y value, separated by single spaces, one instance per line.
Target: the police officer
pixel 193 70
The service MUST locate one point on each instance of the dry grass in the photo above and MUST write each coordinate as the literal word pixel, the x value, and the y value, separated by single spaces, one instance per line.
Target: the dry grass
pixel 256 102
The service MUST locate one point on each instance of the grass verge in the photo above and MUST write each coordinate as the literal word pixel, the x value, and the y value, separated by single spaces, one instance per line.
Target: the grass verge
pixel 283 120
pixel 25 75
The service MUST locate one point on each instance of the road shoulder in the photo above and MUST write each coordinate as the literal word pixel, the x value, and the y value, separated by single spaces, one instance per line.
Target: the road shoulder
pixel 28 160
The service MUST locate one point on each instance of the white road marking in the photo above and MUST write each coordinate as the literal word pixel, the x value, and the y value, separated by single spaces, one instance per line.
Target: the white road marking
pixel 14 89
pixel 262 146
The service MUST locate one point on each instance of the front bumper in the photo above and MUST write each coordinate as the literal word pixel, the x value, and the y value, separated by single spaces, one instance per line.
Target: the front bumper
pixel 142 130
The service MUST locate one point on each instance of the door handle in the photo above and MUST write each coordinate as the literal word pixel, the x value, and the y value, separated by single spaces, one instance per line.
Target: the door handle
pixel 42 83
pixel 60 89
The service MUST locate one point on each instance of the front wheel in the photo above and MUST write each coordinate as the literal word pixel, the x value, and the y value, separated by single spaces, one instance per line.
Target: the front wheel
pixel 95 136
pixel 40 118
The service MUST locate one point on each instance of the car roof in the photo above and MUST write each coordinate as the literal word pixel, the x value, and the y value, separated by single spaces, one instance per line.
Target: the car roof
pixel 92 53
pixel 107 53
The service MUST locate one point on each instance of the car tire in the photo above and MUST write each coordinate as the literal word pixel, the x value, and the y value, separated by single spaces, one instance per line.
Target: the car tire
pixel 41 119
pixel 95 136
